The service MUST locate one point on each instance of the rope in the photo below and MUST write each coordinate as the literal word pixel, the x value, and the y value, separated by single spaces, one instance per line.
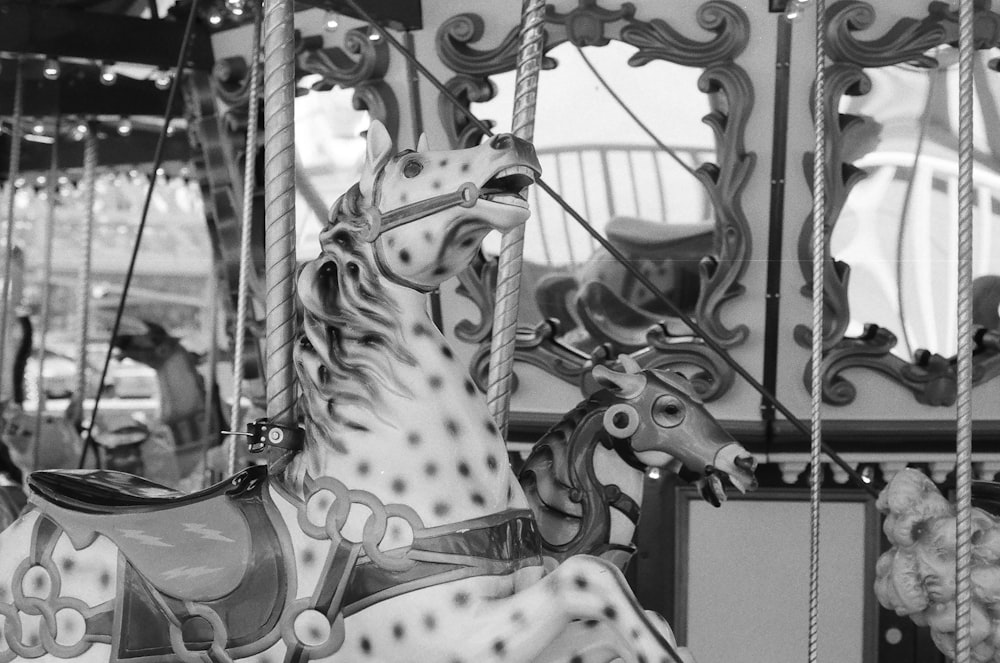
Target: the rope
pixel 508 290
pixel 50 224
pixel 963 453
pixel 818 271
pixel 14 168
pixel 642 125
pixel 279 205
pixel 242 289
pixel 83 292
pixel 157 161
pixel 712 344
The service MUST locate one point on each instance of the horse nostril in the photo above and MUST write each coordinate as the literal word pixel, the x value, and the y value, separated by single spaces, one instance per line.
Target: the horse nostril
pixel 748 463
pixel 502 142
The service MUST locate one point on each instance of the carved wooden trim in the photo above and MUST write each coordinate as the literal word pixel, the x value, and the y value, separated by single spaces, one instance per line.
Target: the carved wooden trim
pixel 731 97
pixel 930 377
pixel 361 65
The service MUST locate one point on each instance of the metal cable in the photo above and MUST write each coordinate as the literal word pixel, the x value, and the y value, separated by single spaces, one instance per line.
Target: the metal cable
pixel 246 224
pixel 642 125
pixel 13 172
pixel 816 355
pixel 714 345
pixel 279 205
pixel 963 447
pixel 83 285
pixel 508 290
pixel 46 312
pixel 157 161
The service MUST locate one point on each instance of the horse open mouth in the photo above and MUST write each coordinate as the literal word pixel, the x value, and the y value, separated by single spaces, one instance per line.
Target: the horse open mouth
pixel 738 470
pixel 509 186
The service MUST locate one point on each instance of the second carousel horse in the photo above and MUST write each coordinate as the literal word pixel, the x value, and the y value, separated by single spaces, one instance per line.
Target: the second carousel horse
pixel 584 478
pixel 396 533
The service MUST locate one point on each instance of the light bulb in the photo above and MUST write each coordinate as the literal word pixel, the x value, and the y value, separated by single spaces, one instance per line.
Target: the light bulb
pixel 162 80
pixel 331 21
pixel 214 18
pixel 39 128
pixel 125 127
pixel 51 69
pixel 108 75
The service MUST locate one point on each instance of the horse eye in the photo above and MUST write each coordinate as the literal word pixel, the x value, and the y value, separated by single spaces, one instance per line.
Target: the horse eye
pixel 668 411
pixel 412 168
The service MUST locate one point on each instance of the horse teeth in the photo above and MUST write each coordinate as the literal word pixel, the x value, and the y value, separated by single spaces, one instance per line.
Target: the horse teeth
pixel 516 170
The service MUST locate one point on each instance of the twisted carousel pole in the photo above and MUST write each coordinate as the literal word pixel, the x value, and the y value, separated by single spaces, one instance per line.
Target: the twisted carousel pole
pixel 279 205
pixel 963 445
pixel 83 293
pixel 13 171
pixel 529 64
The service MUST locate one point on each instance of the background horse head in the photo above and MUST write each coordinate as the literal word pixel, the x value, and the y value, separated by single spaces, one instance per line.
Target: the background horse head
pixel 584 478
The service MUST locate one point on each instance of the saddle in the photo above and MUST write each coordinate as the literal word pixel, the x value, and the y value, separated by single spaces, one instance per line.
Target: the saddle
pixel 610 319
pixel 213 553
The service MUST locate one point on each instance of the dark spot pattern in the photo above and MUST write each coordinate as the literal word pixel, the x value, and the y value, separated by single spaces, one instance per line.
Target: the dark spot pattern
pixel 364 468
pixel 366 645
pixel 491 462
pixel 499 647
pixel 452 427
pixel 478 499
pixel 446 351
pixel 461 599
pixel 441 509
pixel 463 469
pixel 430 621
pixel 413 438
pixel 68 564
pixel 398 631
pixel 591 623
pixel 610 612
pixel 491 427
pixel 404 256
pixel 517 616
pixel 576 659
pixel 431 469
pixel 470 388
pixel 398 486
pixel 581 582
pixel 420 330
pixel 308 556
pixel 105 579
pixel 435 381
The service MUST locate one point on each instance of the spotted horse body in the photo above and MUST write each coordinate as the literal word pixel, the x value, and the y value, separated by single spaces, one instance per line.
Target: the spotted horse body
pixel 396 533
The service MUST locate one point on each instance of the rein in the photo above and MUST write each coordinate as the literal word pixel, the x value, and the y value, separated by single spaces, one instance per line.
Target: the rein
pixel 380 222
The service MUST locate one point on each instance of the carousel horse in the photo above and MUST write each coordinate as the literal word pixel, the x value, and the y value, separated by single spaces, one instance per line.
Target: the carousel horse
pixel 584 478
pixel 390 530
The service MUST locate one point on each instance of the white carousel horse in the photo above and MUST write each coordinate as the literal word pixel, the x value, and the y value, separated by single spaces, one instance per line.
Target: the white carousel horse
pixel 396 533
pixel 584 478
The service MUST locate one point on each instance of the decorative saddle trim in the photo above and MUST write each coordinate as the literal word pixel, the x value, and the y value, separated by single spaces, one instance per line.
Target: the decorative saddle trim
pixel 494 545
pixel 198 573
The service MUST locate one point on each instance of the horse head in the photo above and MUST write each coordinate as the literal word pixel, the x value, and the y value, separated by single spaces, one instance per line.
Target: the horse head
pixel 146 342
pixel 419 185
pixel 659 421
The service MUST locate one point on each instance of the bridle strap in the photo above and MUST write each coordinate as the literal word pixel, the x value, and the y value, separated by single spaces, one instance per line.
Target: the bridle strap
pixel 465 195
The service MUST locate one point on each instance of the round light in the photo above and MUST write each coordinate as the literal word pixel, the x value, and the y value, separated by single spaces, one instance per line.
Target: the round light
pixel 331 21
pixel 51 69
pixel 373 36
pixel 162 80
pixel 171 130
pixel 108 75
pixel 125 127
pixel 215 18
pixel 39 128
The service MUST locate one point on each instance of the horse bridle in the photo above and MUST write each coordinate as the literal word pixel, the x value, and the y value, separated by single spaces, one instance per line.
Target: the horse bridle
pixel 378 222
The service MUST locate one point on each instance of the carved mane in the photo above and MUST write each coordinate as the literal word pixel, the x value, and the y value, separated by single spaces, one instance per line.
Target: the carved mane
pixel 358 318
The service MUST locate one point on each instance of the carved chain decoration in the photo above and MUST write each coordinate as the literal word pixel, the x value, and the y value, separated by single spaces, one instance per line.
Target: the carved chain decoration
pixel 930 377
pixel 731 98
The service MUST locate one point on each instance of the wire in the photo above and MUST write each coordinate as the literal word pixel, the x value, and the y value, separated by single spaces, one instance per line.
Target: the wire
pixel 157 161
pixel 642 125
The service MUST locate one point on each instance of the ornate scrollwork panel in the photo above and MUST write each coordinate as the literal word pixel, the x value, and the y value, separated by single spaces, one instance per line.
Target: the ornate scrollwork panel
pixel 656 40
pixel 360 64
pixel 930 377
pixel 730 89
pixel 841 79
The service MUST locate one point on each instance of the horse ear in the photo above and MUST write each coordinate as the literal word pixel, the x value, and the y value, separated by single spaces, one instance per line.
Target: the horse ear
pixel 629 363
pixel 625 385
pixel 422 144
pixel 378 151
